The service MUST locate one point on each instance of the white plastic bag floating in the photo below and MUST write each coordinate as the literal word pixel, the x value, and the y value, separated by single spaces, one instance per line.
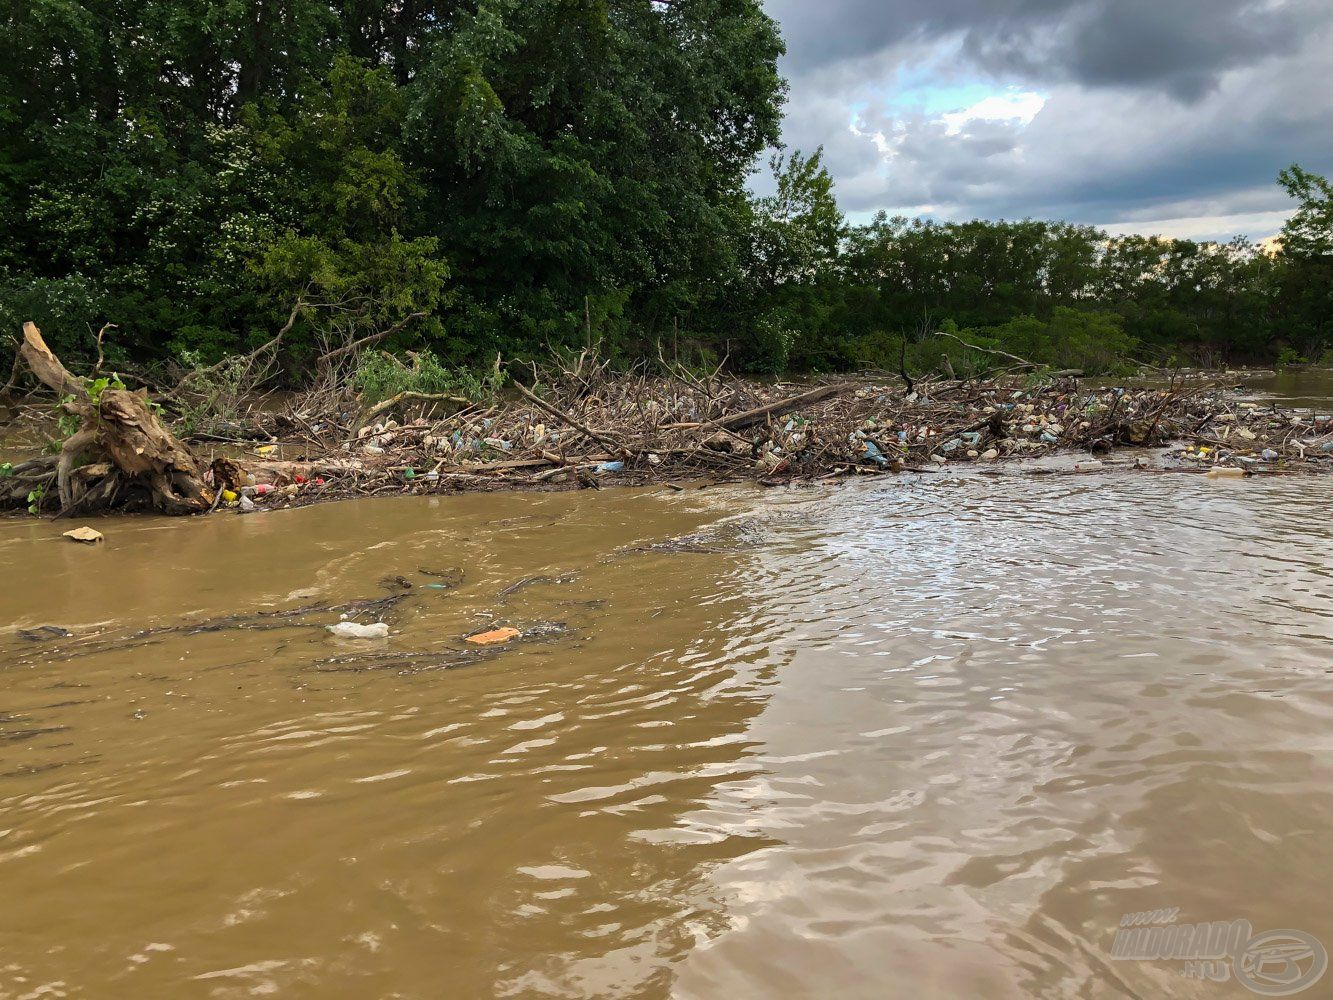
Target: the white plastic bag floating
pixel 354 630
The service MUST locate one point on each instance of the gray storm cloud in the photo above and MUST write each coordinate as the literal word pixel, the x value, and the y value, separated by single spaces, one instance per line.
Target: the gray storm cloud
pixel 1154 109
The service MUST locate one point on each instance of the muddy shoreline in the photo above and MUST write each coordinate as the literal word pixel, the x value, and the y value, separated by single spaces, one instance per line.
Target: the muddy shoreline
pixel 592 428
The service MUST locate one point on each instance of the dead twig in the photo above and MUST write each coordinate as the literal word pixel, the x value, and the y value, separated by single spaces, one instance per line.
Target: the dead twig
pixel 604 441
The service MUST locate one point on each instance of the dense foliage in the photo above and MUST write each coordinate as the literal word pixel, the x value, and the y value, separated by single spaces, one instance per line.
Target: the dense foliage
pixel 486 176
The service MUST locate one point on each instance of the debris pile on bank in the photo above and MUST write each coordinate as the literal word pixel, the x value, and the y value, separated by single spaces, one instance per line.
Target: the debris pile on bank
pixel 588 425
pixel 642 429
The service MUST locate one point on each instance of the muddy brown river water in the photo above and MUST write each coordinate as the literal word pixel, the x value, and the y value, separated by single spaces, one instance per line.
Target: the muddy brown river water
pixel 917 736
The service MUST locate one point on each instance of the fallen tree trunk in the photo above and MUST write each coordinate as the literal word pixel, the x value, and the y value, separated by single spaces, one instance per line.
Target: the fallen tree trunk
pixel 144 463
pixel 774 409
pixel 47 367
pixel 144 452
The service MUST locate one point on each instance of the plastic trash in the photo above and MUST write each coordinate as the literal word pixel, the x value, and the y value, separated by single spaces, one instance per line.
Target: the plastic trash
pixel 1225 472
pixel 1090 465
pixel 263 489
pixel 1268 454
pixel 373 449
pixel 228 496
pixel 989 455
pixel 873 453
pixel 44 633
pixel 354 630
pixel 85 534
pixel 951 445
pixel 938 459
pixel 610 467
pixel 409 473
pixel 493 637
pixel 247 505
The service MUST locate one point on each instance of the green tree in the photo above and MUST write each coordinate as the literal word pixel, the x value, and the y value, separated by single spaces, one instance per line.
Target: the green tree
pixel 790 272
pixel 1306 258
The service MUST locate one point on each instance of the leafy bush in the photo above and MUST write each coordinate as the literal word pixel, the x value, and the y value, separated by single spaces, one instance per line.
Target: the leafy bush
pixel 1289 357
pixel 382 376
pixel 1092 341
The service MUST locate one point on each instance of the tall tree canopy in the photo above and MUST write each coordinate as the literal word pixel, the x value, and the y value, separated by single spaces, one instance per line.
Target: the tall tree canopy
pixel 508 175
pixel 191 167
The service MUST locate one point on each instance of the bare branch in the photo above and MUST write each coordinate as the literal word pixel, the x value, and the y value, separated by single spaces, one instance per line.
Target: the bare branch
pixel 373 338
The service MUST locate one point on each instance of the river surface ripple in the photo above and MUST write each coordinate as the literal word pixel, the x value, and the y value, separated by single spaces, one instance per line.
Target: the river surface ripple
pixel 914 736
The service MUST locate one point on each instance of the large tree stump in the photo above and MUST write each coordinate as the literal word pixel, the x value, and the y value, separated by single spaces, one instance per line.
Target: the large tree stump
pixel 120 434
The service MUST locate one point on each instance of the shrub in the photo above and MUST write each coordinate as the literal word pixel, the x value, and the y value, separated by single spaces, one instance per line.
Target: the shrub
pixel 382 376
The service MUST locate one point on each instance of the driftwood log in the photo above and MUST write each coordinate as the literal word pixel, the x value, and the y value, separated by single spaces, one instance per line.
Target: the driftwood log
pixel 778 408
pixel 122 453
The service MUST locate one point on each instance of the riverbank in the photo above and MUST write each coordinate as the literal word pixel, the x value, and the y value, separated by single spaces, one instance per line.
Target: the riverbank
pixel 588 427
pixel 656 431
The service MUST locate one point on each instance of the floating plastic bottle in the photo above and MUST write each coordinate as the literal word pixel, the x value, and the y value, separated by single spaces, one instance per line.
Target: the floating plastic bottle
pixel 355 630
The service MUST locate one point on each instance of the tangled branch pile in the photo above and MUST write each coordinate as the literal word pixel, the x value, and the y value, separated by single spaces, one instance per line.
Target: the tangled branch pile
pixel 583 424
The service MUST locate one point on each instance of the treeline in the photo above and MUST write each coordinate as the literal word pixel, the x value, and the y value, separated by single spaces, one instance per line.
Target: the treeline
pixel 473 177
pixel 1059 294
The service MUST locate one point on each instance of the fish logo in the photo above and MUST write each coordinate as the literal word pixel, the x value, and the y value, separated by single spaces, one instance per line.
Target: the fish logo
pixel 1280 963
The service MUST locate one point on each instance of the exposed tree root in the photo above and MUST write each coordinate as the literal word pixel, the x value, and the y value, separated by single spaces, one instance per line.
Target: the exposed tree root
pixel 122 450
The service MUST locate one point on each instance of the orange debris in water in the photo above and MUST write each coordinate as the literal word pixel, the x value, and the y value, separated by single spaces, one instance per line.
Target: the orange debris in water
pixel 495 635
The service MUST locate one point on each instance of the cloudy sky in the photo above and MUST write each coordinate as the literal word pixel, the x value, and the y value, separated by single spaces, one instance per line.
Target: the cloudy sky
pixel 1159 116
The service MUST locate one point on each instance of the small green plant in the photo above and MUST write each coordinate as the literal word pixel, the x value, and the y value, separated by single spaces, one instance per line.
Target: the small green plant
pixel 1289 357
pixel 35 496
pixel 6 469
pixel 98 386
pixel 382 376
pixel 67 423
